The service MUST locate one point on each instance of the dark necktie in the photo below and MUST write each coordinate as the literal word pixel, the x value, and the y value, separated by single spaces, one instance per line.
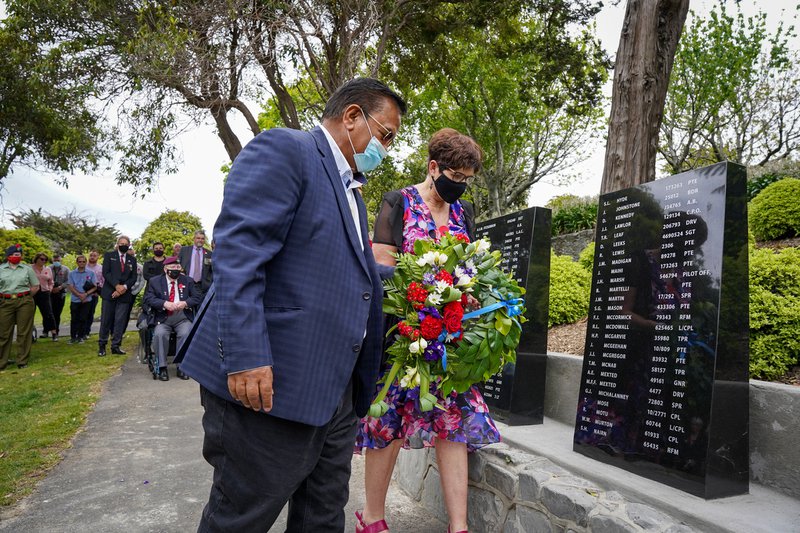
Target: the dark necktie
pixel 122 262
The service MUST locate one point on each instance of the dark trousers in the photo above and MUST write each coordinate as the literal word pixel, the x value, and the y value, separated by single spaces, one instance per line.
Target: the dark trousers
pixel 79 319
pixel 113 317
pixel 57 303
pixel 95 299
pixel 261 462
pixel 42 300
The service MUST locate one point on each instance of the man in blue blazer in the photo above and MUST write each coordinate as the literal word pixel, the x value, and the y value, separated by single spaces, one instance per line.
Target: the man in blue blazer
pixel 287 343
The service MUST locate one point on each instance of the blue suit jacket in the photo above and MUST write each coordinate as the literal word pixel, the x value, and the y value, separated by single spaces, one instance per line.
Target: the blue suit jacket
pixel 292 286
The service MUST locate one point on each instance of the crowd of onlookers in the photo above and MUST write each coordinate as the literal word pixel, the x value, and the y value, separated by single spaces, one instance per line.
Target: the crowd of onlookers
pixel 173 286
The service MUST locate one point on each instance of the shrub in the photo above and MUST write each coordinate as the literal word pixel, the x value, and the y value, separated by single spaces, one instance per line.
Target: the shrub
pixel 570 285
pixel 586 257
pixel 774 311
pixel 756 185
pixel 572 213
pixel 775 213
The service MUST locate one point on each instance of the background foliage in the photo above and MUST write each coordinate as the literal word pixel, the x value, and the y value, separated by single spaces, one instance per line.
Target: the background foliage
pixel 775 212
pixel 168 228
pixel 570 285
pixel 31 243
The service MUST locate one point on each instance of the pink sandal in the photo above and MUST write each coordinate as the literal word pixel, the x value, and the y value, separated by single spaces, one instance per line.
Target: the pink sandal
pixel 464 531
pixel 374 527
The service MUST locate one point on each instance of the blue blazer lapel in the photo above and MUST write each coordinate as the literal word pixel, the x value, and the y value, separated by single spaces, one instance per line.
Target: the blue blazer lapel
pixel 329 164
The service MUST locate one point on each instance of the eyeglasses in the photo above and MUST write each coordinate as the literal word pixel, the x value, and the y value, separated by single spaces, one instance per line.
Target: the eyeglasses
pixel 389 136
pixel 458 177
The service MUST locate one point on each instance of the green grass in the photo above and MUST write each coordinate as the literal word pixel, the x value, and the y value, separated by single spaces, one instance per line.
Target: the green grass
pixel 45 404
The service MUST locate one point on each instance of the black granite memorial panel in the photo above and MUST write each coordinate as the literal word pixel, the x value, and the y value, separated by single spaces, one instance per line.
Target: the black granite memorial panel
pixel 516 395
pixel 664 389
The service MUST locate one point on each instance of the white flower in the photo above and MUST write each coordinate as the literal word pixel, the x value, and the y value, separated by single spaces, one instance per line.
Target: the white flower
pixel 441 286
pixel 434 299
pixel 432 258
pixel 460 277
pixel 418 345
pixel 482 246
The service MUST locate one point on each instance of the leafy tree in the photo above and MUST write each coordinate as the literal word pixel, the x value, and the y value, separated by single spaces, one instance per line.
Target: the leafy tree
pixel 31 243
pixel 71 233
pixel 734 93
pixel 527 88
pixel 164 62
pixel 169 227
pixel 45 114
pixel 644 61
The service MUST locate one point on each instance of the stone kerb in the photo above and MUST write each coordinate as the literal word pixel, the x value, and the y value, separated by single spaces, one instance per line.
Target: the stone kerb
pixel 511 491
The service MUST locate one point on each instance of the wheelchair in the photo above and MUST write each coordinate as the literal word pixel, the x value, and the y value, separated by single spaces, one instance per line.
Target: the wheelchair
pixel 145 353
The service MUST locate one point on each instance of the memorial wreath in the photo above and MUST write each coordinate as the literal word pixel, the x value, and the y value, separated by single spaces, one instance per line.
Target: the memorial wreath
pixel 460 318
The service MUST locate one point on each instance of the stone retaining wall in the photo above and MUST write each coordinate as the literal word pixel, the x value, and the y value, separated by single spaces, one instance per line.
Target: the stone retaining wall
pixel 511 491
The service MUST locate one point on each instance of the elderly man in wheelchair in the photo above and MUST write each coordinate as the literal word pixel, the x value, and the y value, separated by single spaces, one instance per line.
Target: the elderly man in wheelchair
pixel 171 299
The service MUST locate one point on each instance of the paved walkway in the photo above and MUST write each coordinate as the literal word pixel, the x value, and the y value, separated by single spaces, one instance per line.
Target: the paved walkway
pixel 137 467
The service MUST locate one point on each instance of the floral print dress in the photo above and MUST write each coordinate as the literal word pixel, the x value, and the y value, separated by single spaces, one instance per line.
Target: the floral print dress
pixel 465 417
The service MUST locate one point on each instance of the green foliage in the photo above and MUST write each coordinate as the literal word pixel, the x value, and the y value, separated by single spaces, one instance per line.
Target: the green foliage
pixel 71 233
pixel 526 87
pixel 169 227
pixel 570 285
pixel 571 213
pixel 756 185
pixel 586 257
pixel 45 115
pixel 31 243
pixel 774 311
pixel 733 92
pixel 775 213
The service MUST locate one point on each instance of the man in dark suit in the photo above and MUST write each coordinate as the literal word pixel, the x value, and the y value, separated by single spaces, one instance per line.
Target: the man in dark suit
pixel 119 272
pixel 172 298
pixel 196 262
pixel 296 295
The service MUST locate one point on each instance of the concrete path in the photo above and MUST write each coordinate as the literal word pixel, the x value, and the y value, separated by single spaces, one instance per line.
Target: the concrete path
pixel 137 467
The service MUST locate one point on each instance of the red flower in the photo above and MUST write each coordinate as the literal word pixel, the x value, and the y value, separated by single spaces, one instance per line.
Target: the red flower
pixel 463 238
pixel 431 327
pixel 416 292
pixel 405 330
pixel 454 309
pixel 452 323
pixel 445 276
pixel 444 230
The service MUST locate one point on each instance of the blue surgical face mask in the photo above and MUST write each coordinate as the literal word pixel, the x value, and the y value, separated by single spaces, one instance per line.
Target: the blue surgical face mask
pixel 373 154
pixel 56 264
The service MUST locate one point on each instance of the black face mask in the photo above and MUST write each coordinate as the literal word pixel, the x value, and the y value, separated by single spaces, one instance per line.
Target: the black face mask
pixel 449 190
pixel 174 274
pixel 158 253
pixel 123 248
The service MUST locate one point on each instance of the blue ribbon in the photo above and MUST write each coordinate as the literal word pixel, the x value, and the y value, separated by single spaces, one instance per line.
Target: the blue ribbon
pixel 514 308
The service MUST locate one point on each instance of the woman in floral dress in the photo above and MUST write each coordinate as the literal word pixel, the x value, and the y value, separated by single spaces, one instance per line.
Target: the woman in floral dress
pixel 425 211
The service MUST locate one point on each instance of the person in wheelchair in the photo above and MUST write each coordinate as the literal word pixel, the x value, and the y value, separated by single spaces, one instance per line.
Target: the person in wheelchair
pixel 172 298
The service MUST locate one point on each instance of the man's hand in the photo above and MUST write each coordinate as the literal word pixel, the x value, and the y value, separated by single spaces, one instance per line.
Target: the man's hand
pixel 121 289
pixel 82 296
pixel 169 306
pixel 253 388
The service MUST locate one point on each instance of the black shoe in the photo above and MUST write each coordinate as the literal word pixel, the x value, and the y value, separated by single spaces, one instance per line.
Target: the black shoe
pixel 101 352
pixel 162 375
pixel 118 351
pixel 180 374
pixel 22 366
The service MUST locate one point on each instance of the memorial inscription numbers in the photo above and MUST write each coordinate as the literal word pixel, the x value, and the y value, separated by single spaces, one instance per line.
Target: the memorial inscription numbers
pixel 666 343
pixel 516 394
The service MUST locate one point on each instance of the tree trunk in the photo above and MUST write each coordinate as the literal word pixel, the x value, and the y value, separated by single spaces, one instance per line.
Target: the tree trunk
pixel 232 144
pixel 644 61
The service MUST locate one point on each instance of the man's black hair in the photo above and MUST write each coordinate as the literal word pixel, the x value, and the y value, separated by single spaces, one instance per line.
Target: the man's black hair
pixel 368 93
pixel 158 242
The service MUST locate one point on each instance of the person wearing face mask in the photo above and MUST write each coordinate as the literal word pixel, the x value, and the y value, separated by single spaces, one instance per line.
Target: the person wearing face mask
pixel 425 211
pixel 119 273
pixel 18 285
pixel 296 298
pixel 172 298
pixel 155 265
pixel 60 289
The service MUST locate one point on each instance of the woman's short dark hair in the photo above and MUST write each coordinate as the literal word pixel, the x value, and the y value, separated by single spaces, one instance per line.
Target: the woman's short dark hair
pixel 368 93
pixel 454 150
